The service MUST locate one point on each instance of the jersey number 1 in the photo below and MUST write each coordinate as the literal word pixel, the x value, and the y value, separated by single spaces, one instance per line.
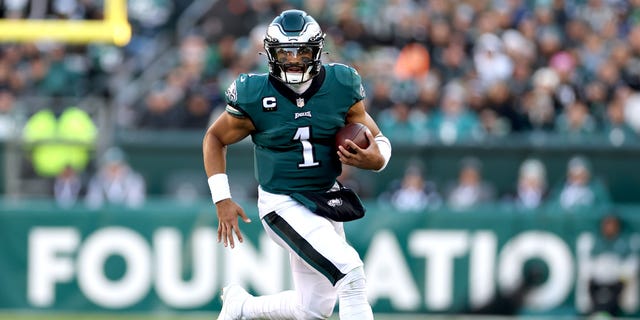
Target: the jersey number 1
pixel 303 134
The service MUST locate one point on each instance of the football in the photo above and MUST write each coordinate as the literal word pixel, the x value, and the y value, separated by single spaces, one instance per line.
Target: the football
pixel 354 132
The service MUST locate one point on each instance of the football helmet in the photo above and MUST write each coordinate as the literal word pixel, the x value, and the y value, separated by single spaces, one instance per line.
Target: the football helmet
pixel 293 44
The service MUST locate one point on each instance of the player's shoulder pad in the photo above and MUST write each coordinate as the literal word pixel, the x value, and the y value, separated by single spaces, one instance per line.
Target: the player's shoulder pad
pixel 245 89
pixel 345 74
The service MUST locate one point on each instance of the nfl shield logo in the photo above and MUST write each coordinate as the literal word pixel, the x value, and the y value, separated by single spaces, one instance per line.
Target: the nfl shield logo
pixel 300 102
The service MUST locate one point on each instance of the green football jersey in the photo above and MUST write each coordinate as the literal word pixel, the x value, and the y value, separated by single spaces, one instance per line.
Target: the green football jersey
pixel 294 146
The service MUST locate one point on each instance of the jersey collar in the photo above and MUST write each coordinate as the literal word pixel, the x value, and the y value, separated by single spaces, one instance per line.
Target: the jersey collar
pixel 291 95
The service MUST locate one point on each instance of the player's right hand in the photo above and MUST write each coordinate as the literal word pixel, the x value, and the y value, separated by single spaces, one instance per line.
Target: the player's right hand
pixel 228 213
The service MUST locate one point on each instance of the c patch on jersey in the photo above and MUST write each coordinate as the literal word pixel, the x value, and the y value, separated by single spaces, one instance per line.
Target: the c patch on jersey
pixel 269 104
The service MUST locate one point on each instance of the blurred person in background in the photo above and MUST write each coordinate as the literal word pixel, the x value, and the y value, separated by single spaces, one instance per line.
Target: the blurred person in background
pixel 597 96
pixel 631 97
pixel 492 125
pixel 616 129
pixel 7 116
pixel 67 188
pixel 115 183
pixel 491 62
pixel 412 62
pixel 575 120
pixel 531 189
pixel 413 192
pixel 470 190
pixel 580 189
pixel 160 110
pixel 380 96
pixel 454 63
pixel 513 301
pixel 428 96
pixel 505 106
pixel 403 124
pixel 453 121
pixel 149 18
pixel 196 111
pixel 538 102
pixel 612 267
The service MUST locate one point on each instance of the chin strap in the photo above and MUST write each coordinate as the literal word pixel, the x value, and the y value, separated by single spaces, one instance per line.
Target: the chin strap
pixel 299 88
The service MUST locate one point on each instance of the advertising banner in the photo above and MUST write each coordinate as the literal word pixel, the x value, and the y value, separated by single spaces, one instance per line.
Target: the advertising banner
pixel 165 256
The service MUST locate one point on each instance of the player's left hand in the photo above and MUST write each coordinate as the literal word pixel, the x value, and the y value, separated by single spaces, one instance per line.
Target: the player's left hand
pixel 368 158
pixel 228 213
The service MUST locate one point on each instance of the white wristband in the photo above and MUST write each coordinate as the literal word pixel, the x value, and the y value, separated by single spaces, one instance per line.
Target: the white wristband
pixel 384 145
pixel 219 186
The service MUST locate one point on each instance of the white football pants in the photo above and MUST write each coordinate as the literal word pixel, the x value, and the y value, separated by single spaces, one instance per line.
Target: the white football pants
pixel 324 266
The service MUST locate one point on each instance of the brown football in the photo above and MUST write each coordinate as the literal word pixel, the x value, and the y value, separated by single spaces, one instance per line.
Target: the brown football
pixel 354 132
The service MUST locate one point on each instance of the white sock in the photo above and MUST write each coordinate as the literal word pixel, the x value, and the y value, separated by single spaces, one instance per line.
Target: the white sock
pixel 280 306
pixel 352 294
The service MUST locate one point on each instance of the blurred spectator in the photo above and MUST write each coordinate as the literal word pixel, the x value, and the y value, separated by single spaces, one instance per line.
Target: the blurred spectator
pixel 60 74
pixel 491 62
pixel 67 188
pixel 512 301
pixel 575 120
pixel 613 266
pixel 197 111
pixel 402 124
pixel 413 193
pixel 115 183
pixel 615 127
pixel 597 95
pixel 149 18
pixel 455 64
pixel 194 56
pixel 531 189
pixel 580 189
pixel 470 189
pixel 596 13
pixel 453 121
pixel 159 110
pixel 592 53
pixel 492 125
pixel 632 97
pixel 504 105
pixel 412 62
pixel 379 96
pixel 428 94
pixel 7 116
pixel 565 92
pixel 539 112
pixel 526 61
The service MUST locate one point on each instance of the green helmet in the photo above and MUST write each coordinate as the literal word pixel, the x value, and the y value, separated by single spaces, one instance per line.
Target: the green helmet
pixel 293 44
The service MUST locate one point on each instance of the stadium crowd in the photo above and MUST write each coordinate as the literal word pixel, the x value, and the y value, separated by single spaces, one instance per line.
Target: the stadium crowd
pixel 434 70
pixel 437 70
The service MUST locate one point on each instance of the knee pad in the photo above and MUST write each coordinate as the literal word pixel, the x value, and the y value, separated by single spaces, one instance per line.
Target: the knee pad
pixel 352 293
pixel 321 307
pixel 354 282
pixel 305 314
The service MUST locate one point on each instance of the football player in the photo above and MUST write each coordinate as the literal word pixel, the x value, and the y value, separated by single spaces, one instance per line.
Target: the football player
pixel 292 114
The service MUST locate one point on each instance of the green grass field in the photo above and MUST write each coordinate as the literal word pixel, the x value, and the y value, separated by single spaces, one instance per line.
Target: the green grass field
pixel 213 316
pixel 201 316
